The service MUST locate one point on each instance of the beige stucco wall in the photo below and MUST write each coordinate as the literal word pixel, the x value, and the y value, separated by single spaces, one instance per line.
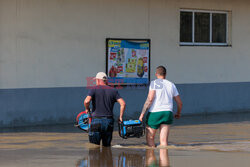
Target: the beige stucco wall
pixel 58 43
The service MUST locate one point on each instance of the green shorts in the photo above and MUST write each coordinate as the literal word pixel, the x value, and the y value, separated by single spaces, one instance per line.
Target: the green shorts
pixel 155 119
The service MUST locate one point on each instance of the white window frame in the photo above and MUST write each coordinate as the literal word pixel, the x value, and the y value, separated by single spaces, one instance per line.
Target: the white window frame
pixel 193 43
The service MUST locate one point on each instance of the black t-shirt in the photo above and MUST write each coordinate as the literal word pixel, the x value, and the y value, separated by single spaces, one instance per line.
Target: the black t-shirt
pixel 103 100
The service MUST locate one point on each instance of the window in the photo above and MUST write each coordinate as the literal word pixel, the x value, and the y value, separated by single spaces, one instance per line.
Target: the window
pixel 203 28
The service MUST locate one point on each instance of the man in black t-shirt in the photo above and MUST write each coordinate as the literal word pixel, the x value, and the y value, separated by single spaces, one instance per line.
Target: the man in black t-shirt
pixel 103 98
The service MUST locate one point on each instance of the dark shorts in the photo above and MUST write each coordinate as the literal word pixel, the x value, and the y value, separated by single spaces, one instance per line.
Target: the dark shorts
pixel 155 119
pixel 101 129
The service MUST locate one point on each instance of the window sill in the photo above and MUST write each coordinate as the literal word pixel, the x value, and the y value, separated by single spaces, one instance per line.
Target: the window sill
pixel 206 44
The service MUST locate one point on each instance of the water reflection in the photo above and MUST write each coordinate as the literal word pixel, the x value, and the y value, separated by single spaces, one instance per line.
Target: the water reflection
pixel 151 159
pixel 110 157
pixel 97 157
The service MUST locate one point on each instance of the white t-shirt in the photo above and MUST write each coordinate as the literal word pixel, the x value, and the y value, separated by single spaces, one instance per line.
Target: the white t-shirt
pixel 164 93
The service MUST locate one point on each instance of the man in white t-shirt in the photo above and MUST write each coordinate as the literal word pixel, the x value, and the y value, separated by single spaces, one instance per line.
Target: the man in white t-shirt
pixel 160 104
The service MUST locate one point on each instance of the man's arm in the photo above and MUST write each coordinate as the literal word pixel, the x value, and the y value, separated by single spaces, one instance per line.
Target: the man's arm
pixel 122 107
pixel 148 103
pixel 179 106
pixel 87 103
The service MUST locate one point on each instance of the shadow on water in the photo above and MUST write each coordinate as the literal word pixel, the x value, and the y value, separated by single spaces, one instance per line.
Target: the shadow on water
pixel 59 128
pixel 107 157
pixel 213 118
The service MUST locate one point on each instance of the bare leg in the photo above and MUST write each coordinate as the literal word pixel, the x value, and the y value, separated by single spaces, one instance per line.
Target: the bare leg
pixel 150 136
pixel 164 132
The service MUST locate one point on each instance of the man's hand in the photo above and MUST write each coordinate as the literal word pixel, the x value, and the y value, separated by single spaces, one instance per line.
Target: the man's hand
pixel 120 119
pixel 148 103
pixel 177 115
pixel 141 117
pixel 86 103
pixel 122 107
pixel 179 106
pixel 87 111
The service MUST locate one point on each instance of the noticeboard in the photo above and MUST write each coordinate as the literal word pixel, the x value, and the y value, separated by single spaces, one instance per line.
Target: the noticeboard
pixel 128 61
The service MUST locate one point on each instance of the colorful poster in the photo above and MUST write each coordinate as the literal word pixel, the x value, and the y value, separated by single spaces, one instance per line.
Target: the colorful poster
pixel 128 61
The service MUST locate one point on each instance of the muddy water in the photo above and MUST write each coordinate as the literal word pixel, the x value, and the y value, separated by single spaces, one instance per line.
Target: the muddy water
pixel 203 144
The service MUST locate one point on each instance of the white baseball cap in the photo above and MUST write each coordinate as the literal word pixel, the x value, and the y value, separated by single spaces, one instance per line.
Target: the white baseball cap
pixel 101 75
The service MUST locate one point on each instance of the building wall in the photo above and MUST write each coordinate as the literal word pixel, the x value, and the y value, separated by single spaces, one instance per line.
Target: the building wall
pixel 49 47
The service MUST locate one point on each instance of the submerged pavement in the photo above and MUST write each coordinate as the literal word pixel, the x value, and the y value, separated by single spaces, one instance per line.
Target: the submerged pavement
pixel 211 140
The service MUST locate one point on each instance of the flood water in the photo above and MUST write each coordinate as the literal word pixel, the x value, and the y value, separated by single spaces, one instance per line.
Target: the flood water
pixel 208 140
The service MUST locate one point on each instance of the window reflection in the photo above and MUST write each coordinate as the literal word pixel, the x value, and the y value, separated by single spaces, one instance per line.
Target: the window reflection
pixel 202 27
pixel 186 27
pixel 219 28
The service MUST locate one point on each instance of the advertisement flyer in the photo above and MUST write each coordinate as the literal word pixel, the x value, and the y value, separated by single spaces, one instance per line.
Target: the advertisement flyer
pixel 128 61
